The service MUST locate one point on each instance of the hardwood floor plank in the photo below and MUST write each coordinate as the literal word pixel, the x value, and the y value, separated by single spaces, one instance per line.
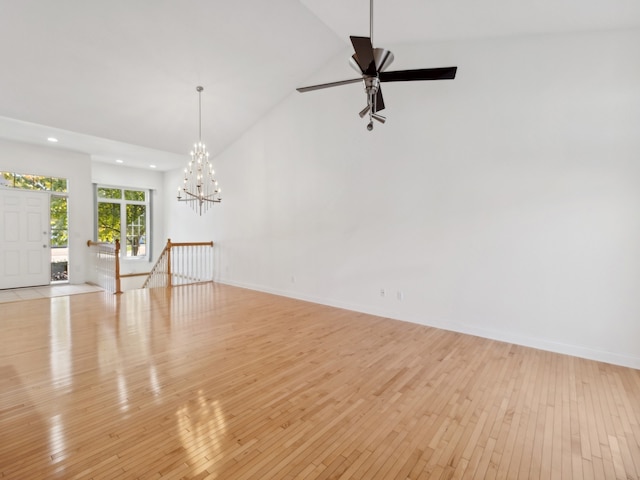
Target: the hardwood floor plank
pixel 213 381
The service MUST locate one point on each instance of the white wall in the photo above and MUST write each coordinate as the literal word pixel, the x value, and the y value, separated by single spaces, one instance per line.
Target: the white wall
pixel 504 203
pixel 183 223
pixel 76 167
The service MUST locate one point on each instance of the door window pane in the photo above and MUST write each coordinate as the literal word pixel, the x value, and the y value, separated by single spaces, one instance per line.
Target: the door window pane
pixel 59 239
pixel 59 222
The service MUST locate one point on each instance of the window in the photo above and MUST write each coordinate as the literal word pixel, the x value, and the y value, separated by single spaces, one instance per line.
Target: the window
pixel 33 182
pixel 59 221
pixel 123 214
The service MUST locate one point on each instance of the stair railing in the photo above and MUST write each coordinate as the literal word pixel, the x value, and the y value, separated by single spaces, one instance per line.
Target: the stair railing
pixel 104 265
pixel 182 264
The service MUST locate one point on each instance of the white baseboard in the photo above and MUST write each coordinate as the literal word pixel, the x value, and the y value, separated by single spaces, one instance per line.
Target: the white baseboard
pixel 508 337
pixel 545 344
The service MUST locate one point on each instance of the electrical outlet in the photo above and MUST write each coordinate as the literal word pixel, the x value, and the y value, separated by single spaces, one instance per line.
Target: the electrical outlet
pixel 399 295
pixel 382 292
pixel 293 279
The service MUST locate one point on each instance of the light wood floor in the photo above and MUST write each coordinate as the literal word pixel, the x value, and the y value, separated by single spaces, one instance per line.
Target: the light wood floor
pixel 212 381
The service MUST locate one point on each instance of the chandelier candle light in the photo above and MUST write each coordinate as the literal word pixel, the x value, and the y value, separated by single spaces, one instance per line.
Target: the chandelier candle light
pixel 200 188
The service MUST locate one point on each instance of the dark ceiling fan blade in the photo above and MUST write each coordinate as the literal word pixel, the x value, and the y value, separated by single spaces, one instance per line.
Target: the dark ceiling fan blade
pixel 379 101
pixel 446 73
pixel 327 85
pixel 364 54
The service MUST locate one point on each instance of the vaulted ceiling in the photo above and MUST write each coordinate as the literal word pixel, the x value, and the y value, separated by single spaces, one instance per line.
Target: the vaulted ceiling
pixel 117 78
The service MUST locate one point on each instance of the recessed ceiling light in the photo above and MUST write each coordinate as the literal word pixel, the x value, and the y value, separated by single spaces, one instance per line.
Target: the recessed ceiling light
pixel 52 140
pixel 152 166
pixel 119 161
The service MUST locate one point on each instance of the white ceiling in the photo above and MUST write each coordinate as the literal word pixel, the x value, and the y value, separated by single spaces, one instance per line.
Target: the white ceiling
pixel 404 21
pixel 117 78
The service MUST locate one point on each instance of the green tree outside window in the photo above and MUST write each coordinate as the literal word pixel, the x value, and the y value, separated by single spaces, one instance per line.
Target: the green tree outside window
pixel 122 215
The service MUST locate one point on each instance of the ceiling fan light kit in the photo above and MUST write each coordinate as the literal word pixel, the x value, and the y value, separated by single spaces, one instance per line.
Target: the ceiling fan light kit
pixel 371 64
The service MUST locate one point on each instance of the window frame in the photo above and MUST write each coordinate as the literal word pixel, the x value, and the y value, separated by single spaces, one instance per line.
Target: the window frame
pixel 123 202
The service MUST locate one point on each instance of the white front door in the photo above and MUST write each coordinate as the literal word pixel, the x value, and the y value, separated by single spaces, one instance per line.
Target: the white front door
pixel 25 257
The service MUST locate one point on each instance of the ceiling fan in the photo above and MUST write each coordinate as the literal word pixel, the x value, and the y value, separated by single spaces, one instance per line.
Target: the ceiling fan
pixel 371 63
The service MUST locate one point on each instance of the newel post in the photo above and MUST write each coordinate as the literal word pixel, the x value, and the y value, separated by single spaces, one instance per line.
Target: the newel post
pixel 168 247
pixel 117 260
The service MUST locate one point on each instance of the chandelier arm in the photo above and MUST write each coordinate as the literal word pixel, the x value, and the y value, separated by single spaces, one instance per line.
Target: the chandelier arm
pixel 200 198
pixel 211 198
pixel 194 195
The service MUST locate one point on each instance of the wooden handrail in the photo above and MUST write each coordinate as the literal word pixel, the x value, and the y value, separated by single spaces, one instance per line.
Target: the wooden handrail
pixel 128 275
pixel 91 243
pixel 188 244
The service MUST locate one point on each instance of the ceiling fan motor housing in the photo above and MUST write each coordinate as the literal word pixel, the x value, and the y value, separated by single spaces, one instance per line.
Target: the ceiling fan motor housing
pixel 381 57
pixel 371 84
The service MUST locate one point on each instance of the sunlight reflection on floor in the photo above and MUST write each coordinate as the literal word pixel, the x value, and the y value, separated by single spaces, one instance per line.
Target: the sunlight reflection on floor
pixel 201 426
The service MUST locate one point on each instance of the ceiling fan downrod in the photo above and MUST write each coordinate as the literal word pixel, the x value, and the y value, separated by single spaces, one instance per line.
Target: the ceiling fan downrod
pixel 371 20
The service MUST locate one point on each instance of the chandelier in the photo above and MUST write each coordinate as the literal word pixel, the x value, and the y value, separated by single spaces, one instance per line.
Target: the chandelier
pixel 200 188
